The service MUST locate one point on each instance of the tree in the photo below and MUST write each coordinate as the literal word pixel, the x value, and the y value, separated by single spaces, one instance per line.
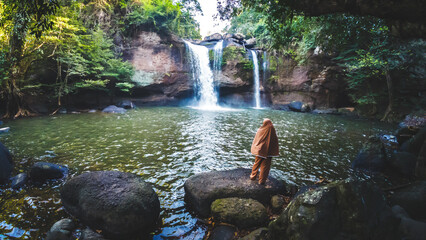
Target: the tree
pixel 21 18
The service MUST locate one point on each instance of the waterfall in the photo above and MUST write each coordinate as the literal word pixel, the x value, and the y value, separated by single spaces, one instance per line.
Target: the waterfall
pixel 256 79
pixel 265 65
pixel 202 75
pixel 218 51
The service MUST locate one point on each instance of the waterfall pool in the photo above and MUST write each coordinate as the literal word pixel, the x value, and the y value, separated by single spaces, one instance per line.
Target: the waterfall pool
pixel 165 146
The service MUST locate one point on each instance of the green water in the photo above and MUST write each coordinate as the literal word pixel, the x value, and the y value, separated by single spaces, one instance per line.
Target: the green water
pixel 165 146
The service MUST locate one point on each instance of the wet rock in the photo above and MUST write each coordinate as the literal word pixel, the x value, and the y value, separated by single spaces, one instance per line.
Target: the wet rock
pixel 6 164
pixel 371 157
pixel 126 104
pixel 19 180
pixel 414 144
pixel 202 189
pixel 298 106
pixel 92 111
pixel 389 141
pixel 43 171
pixel 4 130
pixel 61 230
pixel 89 234
pixel 412 198
pixel 408 228
pixel 404 163
pixel 277 203
pixel 413 121
pixel 242 212
pixel 114 109
pixel 325 111
pixel 119 204
pixel 223 232
pixel 258 234
pixel 340 210
pixel 213 37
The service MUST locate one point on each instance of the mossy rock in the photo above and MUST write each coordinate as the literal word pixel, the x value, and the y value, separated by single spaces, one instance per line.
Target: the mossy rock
pixel 242 212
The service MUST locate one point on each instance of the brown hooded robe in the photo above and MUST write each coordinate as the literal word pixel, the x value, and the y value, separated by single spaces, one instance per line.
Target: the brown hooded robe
pixel 264 147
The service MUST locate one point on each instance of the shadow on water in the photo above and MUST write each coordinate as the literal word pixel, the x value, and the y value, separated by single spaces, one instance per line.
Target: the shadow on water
pixel 165 146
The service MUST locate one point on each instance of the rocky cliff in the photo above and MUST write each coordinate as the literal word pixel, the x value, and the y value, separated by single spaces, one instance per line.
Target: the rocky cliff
pixel 163 74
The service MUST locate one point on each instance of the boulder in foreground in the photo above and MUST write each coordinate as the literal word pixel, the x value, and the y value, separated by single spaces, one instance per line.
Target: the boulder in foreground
pixel 6 164
pixel 202 189
pixel 119 204
pixel 341 210
pixel 43 171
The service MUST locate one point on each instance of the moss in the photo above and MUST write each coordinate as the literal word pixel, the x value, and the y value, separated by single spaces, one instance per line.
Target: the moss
pixel 233 53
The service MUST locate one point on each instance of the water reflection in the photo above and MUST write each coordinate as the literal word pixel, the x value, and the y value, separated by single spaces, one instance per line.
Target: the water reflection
pixel 165 146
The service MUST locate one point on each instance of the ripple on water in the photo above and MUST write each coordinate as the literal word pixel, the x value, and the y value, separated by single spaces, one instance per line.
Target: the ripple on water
pixel 165 146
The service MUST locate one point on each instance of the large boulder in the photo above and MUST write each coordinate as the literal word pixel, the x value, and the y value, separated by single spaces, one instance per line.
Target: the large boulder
pixel 119 204
pixel 340 210
pixel 242 212
pixel 43 171
pixel 114 109
pixel 6 164
pixel 412 198
pixel 202 189
pixel 371 157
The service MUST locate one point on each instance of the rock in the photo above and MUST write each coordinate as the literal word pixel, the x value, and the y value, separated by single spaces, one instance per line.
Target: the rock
pixel 126 104
pixel 371 157
pixel 61 230
pixel 277 203
pixel 242 212
pixel 19 180
pixel 258 234
pixel 389 141
pixel 202 189
pixel 325 111
pixel 412 198
pixel 222 232
pixel 119 204
pixel 298 106
pixel 62 111
pixel 413 121
pixel 228 35
pixel 92 111
pixel 408 228
pixel 114 109
pixel 213 37
pixel 239 36
pixel 42 171
pixel 403 163
pixel 89 234
pixel 341 210
pixel 347 111
pixel 403 134
pixel 415 143
pixel 250 42
pixel 4 130
pixel 6 164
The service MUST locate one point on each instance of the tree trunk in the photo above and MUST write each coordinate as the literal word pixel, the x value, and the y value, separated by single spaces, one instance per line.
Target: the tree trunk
pixel 390 96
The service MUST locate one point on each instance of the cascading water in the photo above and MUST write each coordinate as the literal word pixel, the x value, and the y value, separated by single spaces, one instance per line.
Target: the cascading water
pixel 256 79
pixel 217 63
pixel 202 75
pixel 265 65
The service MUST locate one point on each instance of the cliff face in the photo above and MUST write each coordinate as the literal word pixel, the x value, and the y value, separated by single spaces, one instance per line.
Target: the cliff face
pixel 163 75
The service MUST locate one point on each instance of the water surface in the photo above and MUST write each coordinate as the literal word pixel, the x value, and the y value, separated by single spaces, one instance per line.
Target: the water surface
pixel 165 146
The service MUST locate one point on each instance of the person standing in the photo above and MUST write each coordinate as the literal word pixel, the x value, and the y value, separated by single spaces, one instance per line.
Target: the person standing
pixel 264 147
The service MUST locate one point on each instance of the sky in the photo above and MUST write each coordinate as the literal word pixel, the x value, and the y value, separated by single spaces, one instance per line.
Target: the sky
pixel 209 25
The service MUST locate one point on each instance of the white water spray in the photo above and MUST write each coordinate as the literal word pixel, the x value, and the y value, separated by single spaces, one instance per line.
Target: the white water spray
pixel 203 76
pixel 256 79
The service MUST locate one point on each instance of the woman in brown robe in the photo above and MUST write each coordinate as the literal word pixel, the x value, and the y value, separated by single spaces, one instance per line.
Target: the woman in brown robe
pixel 264 147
